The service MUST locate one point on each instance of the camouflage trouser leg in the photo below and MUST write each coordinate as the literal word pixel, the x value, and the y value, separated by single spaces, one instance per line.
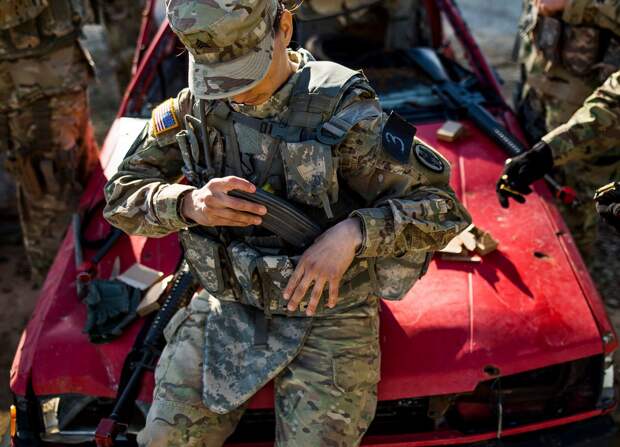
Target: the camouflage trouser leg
pixel 52 151
pixel 531 114
pixel 177 416
pixel 583 224
pixel 326 396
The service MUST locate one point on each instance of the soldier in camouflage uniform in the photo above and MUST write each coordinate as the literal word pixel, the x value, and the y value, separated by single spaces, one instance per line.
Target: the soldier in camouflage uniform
pixel 592 132
pixel 568 49
pixel 375 24
pixel 44 122
pixel 257 114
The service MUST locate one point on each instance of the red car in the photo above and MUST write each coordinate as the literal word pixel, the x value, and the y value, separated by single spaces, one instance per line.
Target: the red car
pixel 514 346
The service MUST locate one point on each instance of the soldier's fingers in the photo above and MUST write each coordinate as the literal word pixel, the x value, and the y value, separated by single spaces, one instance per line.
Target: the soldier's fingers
pixel 517 198
pixel 334 288
pixel 503 200
pixel 300 292
pixel 525 189
pixel 317 291
pixel 242 205
pixel 225 214
pixel 504 192
pixel 293 281
pixel 226 184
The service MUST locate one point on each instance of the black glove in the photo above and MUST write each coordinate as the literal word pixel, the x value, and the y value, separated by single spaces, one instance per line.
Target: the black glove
pixel 111 306
pixel 607 201
pixel 521 171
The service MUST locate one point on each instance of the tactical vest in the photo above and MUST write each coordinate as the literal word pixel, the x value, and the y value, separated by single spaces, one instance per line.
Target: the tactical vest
pixel 31 28
pixel 581 50
pixel 254 268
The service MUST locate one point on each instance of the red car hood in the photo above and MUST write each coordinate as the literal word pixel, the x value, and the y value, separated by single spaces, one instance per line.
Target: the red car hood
pixel 525 306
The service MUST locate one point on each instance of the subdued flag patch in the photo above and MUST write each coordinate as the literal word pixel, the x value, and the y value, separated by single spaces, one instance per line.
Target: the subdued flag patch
pixel 165 118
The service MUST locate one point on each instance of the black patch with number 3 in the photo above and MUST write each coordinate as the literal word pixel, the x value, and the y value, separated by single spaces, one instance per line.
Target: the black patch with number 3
pixel 398 137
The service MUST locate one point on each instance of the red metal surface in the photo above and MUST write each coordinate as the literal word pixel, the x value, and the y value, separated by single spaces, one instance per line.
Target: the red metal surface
pixel 514 310
pixel 434 18
pixel 446 437
pixel 528 305
pixel 147 29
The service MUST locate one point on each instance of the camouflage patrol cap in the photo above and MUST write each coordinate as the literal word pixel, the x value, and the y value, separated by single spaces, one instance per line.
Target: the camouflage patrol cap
pixel 230 43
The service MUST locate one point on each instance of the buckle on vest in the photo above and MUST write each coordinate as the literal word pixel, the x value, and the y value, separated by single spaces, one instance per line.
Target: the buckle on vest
pixel 265 127
pixel 331 133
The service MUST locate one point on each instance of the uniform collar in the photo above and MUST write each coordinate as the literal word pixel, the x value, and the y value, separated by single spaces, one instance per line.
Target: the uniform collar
pixel 277 105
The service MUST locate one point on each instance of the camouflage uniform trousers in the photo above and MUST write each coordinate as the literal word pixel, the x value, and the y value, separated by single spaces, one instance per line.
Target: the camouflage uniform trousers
pixel 123 22
pixel 327 395
pixel 45 128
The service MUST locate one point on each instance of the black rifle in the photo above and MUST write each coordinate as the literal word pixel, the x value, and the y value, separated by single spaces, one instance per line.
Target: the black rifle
pixel 178 295
pixel 459 97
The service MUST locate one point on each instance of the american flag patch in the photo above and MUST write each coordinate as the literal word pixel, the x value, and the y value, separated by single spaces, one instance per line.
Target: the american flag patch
pixel 164 118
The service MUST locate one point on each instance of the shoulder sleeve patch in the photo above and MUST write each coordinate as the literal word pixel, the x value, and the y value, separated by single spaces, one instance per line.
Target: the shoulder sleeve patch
pixel 398 138
pixel 429 159
pixel 164 118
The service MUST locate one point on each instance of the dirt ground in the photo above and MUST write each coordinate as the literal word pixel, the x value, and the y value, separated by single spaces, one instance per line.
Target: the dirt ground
pixel 495 31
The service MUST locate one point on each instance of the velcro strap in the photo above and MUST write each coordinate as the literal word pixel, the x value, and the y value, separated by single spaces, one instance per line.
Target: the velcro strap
pixel 280 131
pixel 337 128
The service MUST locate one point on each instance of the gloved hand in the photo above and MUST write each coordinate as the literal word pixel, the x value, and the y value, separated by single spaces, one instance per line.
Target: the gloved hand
pixel 521 171
pixel 607 201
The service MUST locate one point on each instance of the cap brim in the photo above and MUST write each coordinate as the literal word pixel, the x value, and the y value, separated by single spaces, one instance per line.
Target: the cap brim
pixel 226 79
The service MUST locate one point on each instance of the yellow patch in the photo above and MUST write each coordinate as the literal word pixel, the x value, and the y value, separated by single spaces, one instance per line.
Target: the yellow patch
pixel 164 118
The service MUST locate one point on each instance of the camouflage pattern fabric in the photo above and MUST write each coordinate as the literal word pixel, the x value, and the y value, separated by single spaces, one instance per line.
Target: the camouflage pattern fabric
pixel 16 12
pixel 50 145
pixel 390 24
pixel 230 43
pixel 408 208
pixel 593 130
pixel 123 20
pixel 558 93
pixel 553 92
pixel 326 392
pixel 587 148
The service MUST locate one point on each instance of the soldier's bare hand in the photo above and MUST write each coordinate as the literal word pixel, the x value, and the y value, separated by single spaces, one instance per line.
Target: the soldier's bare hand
pixel 550 7
pixel 211 206
pixel 323 264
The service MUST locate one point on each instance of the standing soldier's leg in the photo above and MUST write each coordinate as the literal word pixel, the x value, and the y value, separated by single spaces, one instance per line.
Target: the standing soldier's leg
pixel 328 394
pixel 123 21
pixel 53 151
pixel 177 416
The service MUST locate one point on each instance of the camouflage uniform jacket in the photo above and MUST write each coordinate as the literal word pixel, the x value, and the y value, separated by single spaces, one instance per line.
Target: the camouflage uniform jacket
pixel 40 37
pixel 593 131
pixel 550 78
pixel 409 209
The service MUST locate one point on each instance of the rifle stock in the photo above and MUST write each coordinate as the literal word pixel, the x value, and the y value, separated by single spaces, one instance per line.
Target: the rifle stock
pixel 179 294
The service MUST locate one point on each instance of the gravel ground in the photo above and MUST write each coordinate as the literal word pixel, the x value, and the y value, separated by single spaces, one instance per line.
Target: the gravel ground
pixel 495 31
